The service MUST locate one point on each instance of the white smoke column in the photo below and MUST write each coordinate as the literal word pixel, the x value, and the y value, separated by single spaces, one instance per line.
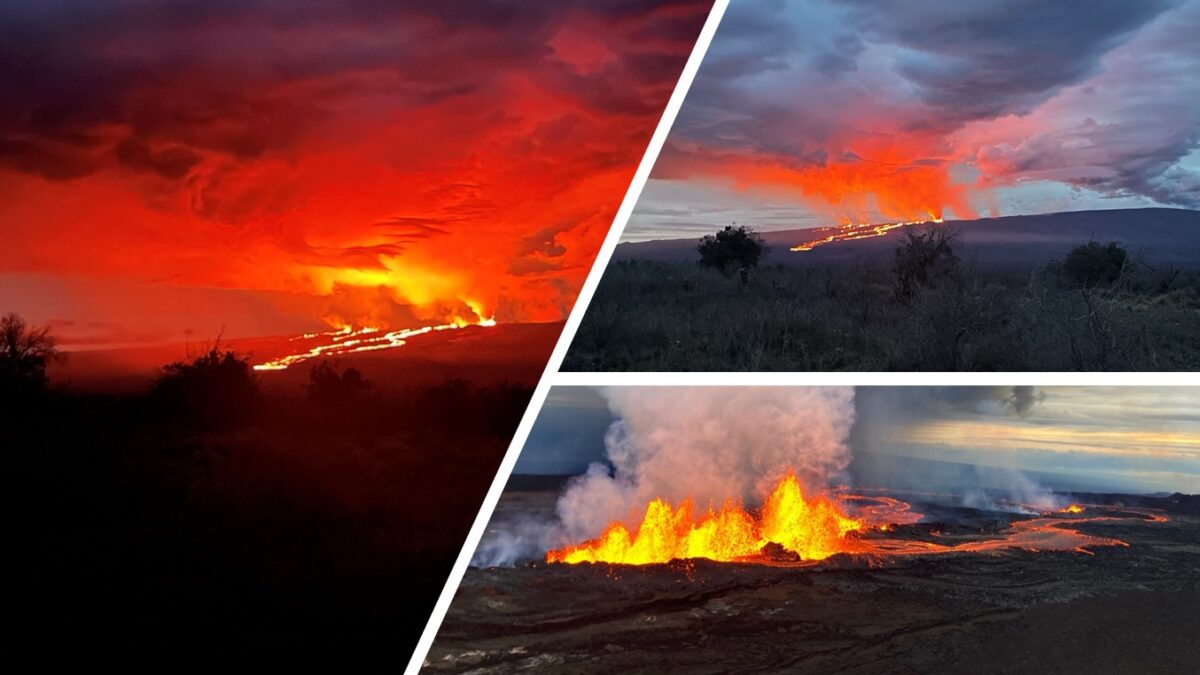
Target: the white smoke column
pixel 709 443
pixel 515 539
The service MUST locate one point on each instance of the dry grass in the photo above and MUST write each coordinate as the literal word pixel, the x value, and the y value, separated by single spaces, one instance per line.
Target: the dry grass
pixel 675 316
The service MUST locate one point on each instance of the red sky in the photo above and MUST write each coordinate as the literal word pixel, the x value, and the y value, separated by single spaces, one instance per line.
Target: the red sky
pixel 268 167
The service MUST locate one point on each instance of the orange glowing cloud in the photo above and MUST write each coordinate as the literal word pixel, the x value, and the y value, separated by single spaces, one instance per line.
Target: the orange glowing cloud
pixel 892 178
pixel 867 112
pixel 381 166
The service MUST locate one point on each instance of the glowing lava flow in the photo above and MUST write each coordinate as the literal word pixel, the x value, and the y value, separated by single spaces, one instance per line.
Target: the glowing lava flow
pixel 879 512
pixel 853 231
pixel 814 528
pixel 349 341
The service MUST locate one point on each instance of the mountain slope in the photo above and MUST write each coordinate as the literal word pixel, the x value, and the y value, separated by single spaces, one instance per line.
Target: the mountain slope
pixel 1157 236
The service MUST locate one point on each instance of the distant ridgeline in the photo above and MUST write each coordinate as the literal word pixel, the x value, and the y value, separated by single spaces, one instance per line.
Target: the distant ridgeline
pixel 1153 235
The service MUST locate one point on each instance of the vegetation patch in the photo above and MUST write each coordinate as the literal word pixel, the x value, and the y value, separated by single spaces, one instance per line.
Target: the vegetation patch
pixel 1097 310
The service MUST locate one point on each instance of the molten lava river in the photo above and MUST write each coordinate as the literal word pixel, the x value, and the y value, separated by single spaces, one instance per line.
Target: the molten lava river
pixel 350 340
pixel 855 231
pixel 794 528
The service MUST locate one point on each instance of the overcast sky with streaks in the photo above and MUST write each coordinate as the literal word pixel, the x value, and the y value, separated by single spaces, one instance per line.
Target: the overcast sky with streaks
pixel 1133 439
pixel 270 167
pixel 816 112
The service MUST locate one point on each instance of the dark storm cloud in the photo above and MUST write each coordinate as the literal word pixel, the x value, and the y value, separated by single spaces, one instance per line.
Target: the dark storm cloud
pixel 761 47
pixel 810 83
pixel 541 251
pixel 1136 157
pixel 922 403
pixel 250 78
pixel 1136 124
pixel 967 61
pixel 401 227
pixel 1024 399
pixel 977 60
pixel 172 163
pixel 544 242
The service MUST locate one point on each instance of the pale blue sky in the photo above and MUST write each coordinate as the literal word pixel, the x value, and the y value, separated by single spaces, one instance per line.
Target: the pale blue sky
pixel 1134 439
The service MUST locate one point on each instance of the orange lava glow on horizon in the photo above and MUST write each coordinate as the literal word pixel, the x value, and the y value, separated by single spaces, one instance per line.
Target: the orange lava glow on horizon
pixel 351 341
pixel 901 177
pixel 854 231
pixel 419 168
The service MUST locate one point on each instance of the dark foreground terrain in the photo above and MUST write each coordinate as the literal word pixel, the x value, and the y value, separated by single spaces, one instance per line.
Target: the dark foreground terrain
pixel 1004 301
pixel 1112 609
pixel 215 514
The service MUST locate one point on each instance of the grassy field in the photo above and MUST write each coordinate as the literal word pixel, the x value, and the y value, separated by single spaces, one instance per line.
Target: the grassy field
pixel 651 316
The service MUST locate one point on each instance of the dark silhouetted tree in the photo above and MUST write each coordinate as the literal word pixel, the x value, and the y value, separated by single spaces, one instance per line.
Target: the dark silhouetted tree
pixel 1093 263
pixel 216 389
pixel 736 247
pixel 327 386
pixel 924 259
pixel 452 399
pixel 24 354
pixel 506 404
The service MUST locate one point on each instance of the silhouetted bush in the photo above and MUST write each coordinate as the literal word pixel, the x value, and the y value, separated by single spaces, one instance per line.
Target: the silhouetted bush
pixel 733 248
pixel 216 390
pixel 924 259
pixel 327 386
pixel 1094 264
pixel 504 405
pixel 330 528
pixel 24 354
pixel 470 410
pixel 652 316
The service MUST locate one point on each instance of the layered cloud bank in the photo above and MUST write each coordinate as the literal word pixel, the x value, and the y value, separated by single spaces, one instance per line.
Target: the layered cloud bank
pixel 362 163
pixel 858 110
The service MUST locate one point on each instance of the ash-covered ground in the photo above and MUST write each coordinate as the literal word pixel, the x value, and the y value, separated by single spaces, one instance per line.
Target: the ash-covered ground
pixel 1119 609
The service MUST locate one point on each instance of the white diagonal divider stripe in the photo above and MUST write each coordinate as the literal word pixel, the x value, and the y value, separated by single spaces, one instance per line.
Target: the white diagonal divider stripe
pixel 568 334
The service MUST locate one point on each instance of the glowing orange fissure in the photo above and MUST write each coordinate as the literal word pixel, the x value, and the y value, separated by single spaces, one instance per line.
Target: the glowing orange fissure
pixel 349 340
pixel 812 527
pixel 818 527
pixel 854 231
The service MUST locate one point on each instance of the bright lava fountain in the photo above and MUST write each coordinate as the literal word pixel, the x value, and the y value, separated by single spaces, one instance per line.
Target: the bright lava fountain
pixel 794 528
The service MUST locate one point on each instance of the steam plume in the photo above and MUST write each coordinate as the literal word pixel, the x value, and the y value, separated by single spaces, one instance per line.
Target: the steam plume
pixel 996 488
pixel 709 443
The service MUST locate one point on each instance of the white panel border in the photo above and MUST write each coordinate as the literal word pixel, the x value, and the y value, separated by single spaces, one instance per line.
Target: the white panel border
pixel 568 334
